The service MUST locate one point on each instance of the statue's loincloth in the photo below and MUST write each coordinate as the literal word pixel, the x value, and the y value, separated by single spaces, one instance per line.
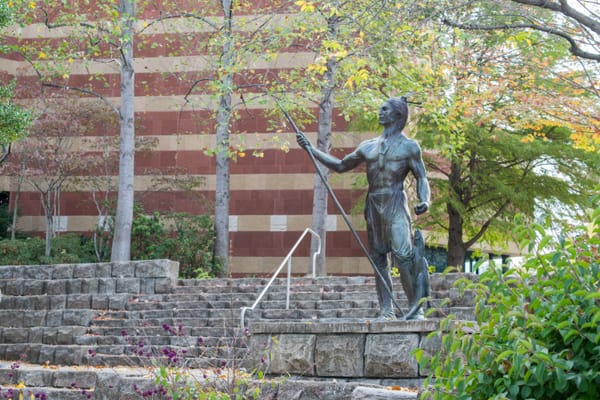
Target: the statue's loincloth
pixel 388 222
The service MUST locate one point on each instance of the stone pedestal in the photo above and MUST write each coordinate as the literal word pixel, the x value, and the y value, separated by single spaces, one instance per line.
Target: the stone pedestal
pixel 352 348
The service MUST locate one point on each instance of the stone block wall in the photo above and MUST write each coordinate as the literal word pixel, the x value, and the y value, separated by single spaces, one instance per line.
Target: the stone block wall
pixel 353 348
pixel 78 280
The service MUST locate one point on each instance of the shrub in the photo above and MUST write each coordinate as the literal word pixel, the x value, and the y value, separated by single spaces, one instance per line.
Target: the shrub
pixel 188 239
pixel 21 251
pixel 537 330
pixel 70 248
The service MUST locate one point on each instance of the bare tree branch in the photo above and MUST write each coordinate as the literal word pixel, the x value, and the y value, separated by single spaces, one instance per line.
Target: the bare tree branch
pixel 575 49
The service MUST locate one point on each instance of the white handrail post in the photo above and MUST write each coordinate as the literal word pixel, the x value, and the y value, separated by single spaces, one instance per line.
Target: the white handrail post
pixel 287 259
pixel 289 282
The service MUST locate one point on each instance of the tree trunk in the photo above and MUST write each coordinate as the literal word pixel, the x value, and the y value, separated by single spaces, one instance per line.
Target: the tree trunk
pixel 222 172
pixel 13 228
pixel 456 244
pixel 319 213
pixel 456 248
pixel 49 217
pixel 121 247
pixel 222 185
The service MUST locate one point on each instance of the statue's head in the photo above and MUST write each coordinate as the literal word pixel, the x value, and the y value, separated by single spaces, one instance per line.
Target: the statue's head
pixel 394 111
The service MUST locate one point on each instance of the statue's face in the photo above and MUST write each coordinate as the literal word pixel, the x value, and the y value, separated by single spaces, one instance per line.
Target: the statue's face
pixel 386 114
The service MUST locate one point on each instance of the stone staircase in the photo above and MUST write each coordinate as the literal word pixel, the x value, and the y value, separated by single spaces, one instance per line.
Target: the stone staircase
pixel 67 330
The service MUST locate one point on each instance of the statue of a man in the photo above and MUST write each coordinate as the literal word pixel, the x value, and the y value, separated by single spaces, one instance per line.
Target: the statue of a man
pixel 388 158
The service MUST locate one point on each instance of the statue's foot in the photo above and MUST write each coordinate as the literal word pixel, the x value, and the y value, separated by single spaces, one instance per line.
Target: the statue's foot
pixel 387 315
pixel 417 316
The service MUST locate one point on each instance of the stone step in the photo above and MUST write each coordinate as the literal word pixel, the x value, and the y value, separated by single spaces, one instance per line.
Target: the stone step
pixel 44 392
pixel 126 383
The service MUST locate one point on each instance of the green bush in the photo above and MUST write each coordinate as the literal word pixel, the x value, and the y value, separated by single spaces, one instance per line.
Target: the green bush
pixel 188 239
pixel 21 251
pixel 5 221
pixel 181 237
pixel 537 331
pixel 69 248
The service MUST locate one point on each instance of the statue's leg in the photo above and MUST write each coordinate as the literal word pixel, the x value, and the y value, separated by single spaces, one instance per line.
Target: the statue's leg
pixel 405 266
pixel 402 255
pixel 386 309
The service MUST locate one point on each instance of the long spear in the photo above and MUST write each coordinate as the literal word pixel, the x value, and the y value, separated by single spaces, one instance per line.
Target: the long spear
pixel 341 209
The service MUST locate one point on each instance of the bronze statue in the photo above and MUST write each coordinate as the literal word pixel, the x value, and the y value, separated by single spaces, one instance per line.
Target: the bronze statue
pixel 389 158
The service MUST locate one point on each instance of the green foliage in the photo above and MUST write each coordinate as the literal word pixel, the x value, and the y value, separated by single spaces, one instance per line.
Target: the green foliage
pixel 537 333
pixel 5 221
pixel 21 252
pixel 188 239
pixel 14 120
pixel 69 248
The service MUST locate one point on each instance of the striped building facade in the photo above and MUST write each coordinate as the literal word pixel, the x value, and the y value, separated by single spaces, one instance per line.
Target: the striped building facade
pixel 271 194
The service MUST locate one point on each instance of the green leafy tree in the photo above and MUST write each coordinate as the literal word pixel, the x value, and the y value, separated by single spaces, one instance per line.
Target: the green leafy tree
pixel 501 145
pixel 14 119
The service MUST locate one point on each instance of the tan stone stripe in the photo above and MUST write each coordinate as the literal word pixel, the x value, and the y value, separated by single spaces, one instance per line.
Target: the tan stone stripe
pixel 300 265
pixel 191 142
pixel 175 103
pixel 164 64
pixel 150 27
pixel 246 223
pixel 238 182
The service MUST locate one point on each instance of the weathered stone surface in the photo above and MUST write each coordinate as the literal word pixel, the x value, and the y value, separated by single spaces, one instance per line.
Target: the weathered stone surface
pixel 73 286
pixel 89 285
pixel 340 355
pixel 163 285
pixel 34 318
pixel 6 272
pixel 293 354
pixel 84 271
pixel 11 318
pixel 128 285
pixel 78 317
pixel 35 377
pixel 103 270
pixel 123 270
pixel 36 272
pixel 118 301
pixel 54 318
pixel 56 287
pixel 389 355
pixel 14 335
pixel 58 302
pixel 33 287
pixel 79 301
pixel 157 269
pixel 368 393
pixel 68 355
pixel 72 378
pixel 62 271
pixel 107 285
pixel 316 390
pixel 14 288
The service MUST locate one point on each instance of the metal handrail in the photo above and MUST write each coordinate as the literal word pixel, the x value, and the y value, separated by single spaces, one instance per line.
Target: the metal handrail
pixel 288 260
